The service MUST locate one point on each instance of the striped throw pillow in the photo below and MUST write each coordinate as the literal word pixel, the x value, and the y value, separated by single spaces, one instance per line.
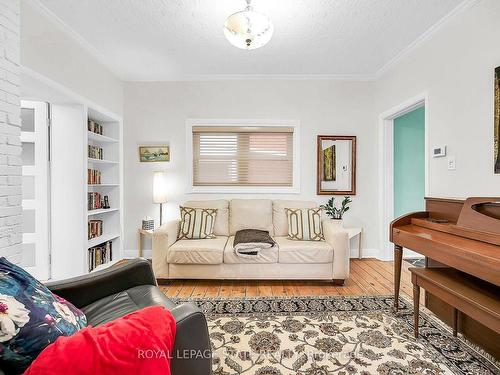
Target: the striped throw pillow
pixel 197 223
pixel 304 224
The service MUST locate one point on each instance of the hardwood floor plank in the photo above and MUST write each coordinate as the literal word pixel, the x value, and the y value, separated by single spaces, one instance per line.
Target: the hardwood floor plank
pixel 264 288
pixel 367 277
pixel 173 289
pixel 252 289
pixel 225 289
pixel 213 289
pixel 239 289
pixel 368 286
pixel 200 289
pixel 376 279
pixel 278 288
pixel 187 288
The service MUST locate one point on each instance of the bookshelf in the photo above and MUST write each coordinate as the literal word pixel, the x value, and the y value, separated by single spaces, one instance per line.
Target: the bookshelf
pixel 106 139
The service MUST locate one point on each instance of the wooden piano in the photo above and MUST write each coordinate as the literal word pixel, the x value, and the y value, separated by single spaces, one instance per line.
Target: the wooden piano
pixel 464 237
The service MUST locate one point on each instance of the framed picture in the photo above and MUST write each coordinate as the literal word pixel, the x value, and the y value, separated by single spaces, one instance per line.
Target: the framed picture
pixel 148 154
pixel 336 169
pixel 496 131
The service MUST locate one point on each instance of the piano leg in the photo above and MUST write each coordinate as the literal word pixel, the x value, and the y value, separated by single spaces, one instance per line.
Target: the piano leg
pixel 398 258
pixel 416 308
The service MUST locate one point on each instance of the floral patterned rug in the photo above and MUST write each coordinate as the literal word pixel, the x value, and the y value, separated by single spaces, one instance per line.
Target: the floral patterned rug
pixel 333 335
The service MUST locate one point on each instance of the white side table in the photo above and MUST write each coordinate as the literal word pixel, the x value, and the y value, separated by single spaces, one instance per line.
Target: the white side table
pixel 353 232
pixel 143 233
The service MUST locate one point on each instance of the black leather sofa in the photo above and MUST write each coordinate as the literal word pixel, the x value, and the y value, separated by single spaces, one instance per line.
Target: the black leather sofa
pixel 112 293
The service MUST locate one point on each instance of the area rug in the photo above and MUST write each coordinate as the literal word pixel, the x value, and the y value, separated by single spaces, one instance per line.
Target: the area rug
pixel 333 335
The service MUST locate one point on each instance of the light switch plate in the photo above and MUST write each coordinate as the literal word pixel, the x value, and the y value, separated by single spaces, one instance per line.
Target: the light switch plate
pixel 452 163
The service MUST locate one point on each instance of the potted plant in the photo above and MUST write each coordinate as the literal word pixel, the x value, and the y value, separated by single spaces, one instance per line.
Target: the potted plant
pixel 334 212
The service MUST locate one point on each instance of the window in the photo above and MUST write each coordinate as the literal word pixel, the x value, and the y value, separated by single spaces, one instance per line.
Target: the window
pixel 242 157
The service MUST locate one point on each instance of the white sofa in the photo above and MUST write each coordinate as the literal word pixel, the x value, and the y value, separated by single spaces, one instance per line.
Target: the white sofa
pixel 215 258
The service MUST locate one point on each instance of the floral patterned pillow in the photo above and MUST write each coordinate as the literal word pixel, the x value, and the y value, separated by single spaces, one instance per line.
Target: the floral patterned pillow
pixel 31 317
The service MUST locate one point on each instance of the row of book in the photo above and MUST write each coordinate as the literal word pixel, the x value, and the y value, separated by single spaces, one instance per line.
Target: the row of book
pixel 93 176
pixel 94 127
pixel 95 228
pixel 100 254
pixel 94 201
pixel 95 152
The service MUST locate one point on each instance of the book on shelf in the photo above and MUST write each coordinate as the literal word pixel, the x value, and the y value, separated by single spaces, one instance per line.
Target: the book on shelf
pixel 93 177
pixel 95 228
pixel 95 152
pixel 94 201
pixel 94 127
pixel 100 254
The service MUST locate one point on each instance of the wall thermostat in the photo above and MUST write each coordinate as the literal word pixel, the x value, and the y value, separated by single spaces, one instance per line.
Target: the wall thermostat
pixel 439 152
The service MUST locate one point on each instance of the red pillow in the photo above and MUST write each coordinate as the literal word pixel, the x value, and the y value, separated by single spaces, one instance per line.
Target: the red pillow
pixel 138 343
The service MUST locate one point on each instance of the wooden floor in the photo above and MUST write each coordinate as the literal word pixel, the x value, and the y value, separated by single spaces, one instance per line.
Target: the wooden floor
pixel 368 277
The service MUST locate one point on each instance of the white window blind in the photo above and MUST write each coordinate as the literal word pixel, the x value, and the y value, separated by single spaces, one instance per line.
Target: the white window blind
pixel 242 156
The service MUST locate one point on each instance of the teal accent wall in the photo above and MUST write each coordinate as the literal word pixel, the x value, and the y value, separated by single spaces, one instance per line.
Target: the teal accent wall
pixel 409 162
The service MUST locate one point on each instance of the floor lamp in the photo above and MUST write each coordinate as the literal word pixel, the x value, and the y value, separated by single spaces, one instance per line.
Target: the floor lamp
pixel 160 191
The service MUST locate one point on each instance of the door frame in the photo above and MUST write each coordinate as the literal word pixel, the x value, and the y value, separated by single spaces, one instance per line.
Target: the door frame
pixel 41 203
pixel 386 167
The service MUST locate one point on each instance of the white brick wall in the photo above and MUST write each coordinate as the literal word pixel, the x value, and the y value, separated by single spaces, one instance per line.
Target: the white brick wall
pixel 10 130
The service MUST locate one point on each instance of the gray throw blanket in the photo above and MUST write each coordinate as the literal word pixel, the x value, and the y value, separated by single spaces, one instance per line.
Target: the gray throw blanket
pixel 248 243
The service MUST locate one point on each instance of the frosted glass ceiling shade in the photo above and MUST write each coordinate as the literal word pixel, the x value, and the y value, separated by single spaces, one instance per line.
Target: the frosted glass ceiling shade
pixel 159 188
pixel 248 29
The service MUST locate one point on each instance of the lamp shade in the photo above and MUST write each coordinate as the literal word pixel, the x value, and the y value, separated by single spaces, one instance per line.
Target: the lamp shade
pixel 248 29
pixel 159 187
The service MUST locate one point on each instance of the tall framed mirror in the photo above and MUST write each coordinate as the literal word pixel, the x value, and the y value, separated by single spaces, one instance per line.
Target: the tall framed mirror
pixel 336 169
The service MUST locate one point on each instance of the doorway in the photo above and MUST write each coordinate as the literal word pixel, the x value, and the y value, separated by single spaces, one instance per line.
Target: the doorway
pixel 409 162
pixel 403 166
pixel 35 187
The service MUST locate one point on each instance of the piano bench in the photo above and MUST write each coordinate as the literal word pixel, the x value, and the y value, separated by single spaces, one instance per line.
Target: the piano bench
pixel 460 292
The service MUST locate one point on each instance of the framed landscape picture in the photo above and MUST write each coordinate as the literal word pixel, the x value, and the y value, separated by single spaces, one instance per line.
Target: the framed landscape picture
pixel 148 154
pixel 496 130
pixel 336 165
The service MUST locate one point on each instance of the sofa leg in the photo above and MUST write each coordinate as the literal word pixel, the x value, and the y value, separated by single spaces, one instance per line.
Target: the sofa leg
pixel 338 282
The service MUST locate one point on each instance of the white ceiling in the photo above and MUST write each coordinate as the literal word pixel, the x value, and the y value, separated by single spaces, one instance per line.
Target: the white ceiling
pixel 150 40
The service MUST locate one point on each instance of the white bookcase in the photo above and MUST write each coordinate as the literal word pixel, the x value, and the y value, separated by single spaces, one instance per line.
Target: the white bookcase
pixel 110 168
pixel 70 188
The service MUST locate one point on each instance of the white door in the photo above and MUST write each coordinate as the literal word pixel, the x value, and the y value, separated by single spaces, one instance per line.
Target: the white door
pixel 35 157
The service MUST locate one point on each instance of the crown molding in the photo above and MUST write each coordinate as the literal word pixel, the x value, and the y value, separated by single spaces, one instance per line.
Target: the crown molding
pixel 256 77
pixel 460 8
pixel 51 16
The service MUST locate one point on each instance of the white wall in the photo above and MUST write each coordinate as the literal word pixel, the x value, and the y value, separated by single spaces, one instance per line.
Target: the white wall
pixel 156 113
pixel 10 131
pixel 456 67
pixel 50 51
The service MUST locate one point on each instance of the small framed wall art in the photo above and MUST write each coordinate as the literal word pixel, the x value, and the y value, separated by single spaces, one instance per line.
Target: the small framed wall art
pixel 336 169
pixel 148 154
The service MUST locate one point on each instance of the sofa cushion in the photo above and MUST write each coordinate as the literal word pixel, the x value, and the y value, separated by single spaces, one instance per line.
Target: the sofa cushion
pixel 250 214
pixel 299 252
pixel 265 256
pixel 221 227
pixel 280 223
pixel 207 251
pixel 125 302
pixel 197 223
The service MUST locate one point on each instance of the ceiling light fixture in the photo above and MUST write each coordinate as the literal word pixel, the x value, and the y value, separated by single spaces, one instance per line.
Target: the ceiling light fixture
pixel 248 29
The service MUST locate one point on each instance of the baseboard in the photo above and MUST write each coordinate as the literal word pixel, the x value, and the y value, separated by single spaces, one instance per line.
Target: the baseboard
pixel 366 253
pixel 129 254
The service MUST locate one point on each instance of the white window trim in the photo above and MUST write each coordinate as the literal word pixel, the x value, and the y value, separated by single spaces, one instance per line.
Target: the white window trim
pixel 294 189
